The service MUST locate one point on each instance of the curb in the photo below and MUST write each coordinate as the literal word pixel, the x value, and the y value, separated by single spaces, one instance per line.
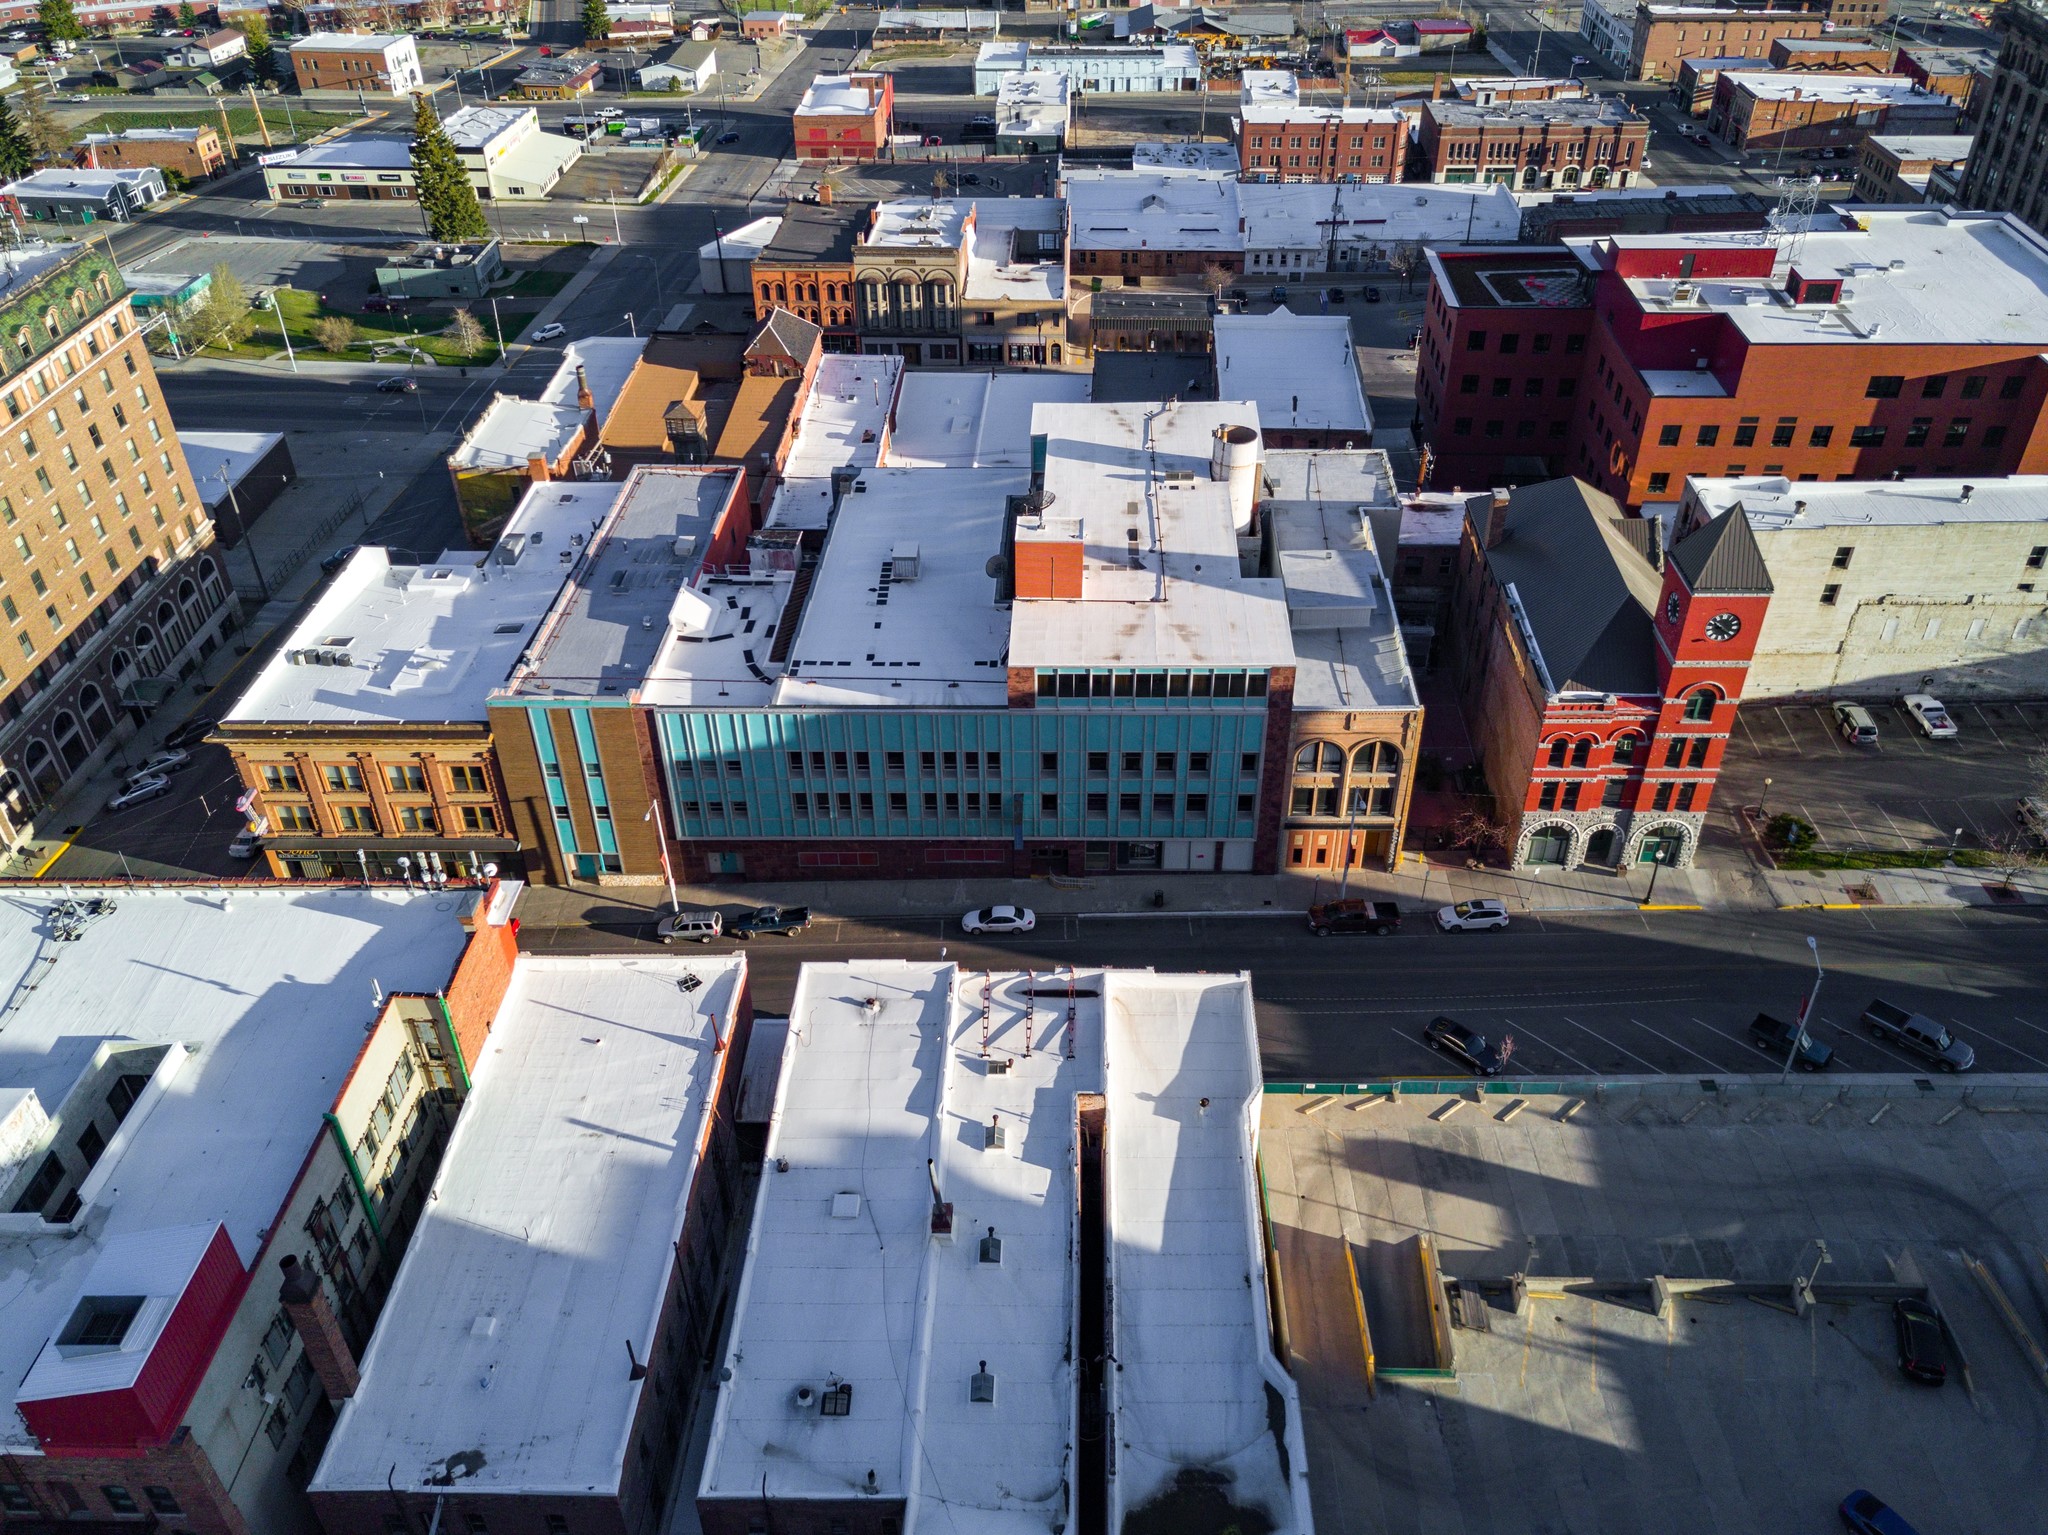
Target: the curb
pixel 1661 906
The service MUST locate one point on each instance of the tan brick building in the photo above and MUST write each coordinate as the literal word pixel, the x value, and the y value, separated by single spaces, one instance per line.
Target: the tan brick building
pixel 1820 109
pixel 386 63
pixel 1664 34
pixel 110 594
pixel 194 153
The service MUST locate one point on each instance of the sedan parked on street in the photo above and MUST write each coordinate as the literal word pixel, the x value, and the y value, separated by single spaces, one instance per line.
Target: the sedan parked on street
pixel 1467 1047
pixel 166 762
pixel 1930 715
pixel 190 734
pixel 1472 917
pixel 554 330
pixel 140 789
pixel 999 919
pixel 1918 1326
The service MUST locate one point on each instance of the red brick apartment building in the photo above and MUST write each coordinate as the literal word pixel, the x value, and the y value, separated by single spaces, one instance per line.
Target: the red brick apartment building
pixel 845 117
pixel 1871 354
pixel 1666 34
pixel 1602 669
pixel 1307 143
pixel 1531 145
pixel 1821 109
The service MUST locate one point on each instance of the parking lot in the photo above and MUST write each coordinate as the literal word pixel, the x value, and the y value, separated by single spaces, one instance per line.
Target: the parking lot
pixel 1906 791
pixel 1587 1411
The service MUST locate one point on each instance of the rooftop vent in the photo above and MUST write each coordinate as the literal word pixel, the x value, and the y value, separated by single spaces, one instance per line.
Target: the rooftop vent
pixel 981 1386
pixel 906 561
pixel 845 1205
pixel 991 1247
pixel 993 1136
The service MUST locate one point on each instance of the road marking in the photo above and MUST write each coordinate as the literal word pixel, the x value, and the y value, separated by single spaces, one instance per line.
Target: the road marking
pixel 1509 1023
pixel 1610 1044
pixel 1791 735
pixel 2016 1018
pixel 1981 715
pixel 2015 1049
pixel 62 849
pixel 1876 1044
pixel 1686 1048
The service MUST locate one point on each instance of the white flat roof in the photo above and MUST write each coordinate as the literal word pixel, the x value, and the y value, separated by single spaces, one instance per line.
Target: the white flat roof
pixel 1960 279
pixel 220 459
pixel 359 151
pixel 844 423
pixel 1153 210
pixel 1825 85
pixel 1268 87
pixel 1776 504
pixel 1923 146
pixel 266 991
pixel 1262 113
pixel 1002 54
pixel 1296 216
pixel 845 1284
pixel 994 270
pixel 1034 87
pixel 474 127
pixel 839 96
pixel 743 243
pixel 870 637
pixel 921 223
pixel 1347 637
pixel 1181 600
pixel 512 430
pixel 1301 369
pixel 427 642
pixel 955 420
pixel 1159 155
pixel 351 42
pixel 549 1236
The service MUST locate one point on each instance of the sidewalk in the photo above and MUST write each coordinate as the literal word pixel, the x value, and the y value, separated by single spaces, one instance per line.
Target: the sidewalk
pixel 1914 888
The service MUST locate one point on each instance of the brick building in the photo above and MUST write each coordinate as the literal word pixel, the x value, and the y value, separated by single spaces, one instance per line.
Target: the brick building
pixel 845 117
pixel 2005 164
pixel 807 268
pixel 1850 55
pixel 1820 109
pixel 1279 138
pixel 1704 354
pixel 570 1435
pixel 207 1206
pixel 1962 74
pixel 1531 145
pixel 348 61
pixel 194 153
pixel 1665 34
pixel 110 591
pixel 1901 167
pixel 1139 225
pixel 1602 670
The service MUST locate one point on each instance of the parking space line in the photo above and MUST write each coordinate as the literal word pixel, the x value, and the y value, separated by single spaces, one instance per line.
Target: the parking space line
pixel 1747 1044
pixel 1806 814
pixel 1791 735
pixel 1985 719
pixel 2015 1049
pixel 1509 1023
pixel 1424 1044
pixel 2016 1018
pixel 1830 733
pixel 1876 1044
pixel 1610 1044
pixel 1688 1049
pixel 1897 831
pixel 1902 725
pixel 1742 719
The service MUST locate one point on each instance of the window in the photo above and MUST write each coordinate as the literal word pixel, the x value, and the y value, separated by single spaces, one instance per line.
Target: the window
pixel 1098 804
pixel 1198 762
pixel 1128 804
pixel 1994 437
pixel 120 1500
pixel 1509 344
pixel 1667 436
pixel 14 1498
pixel 1475 341
pixel 1883 386
pixel 1558 748
pixel 2009 388
pixel 1662 799
pixel 362 818
pixel 281 779
pixel 1612 793
pixel 557 1525
pixel 1625 748
pixel 891 761
pixel 1745 432
pixel 1844 555
pixel 1659 483
pixel 1546 797
pixel 294 818
pixel 1048 762
pixel 1700 706
pixel 1048 804
pixel 1469 384
pixel 1501 387
pixel 1098 762
pixel 1829 593
pixel 1958 432
pixel 467 780
pixel 1781 434
pixel 1685 794
pixel 479 818
pixel 476 1522
pixel 1932 386
pixel 1708 436
pixel 1916 434
pixel 1973 387
pixel 1697 756
pixel 344 776
pixel 1164 762
pixel 1866 436
pixel 1581 750
pixel 1820 437
pixel 1162 805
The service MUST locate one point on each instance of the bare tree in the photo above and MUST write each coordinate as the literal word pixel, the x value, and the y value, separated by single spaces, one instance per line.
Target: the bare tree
pixel 465 332
pixel 335 333
pixel 1403 257
pixel 1478 832
pixel 1216 277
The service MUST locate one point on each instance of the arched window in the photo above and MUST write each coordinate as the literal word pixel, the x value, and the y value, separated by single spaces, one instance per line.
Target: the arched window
pixel 41 768
pixel 1558 748
pixel 71 743
pixel 1315 788
pixel 1625 746
pixel 188 592
pixel 1700 705
pixel 1317 757
pixel 1375 775
pixel 1581 750
pixel 92 703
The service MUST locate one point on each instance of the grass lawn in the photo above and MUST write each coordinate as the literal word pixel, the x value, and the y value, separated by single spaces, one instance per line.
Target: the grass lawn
pixel 1895 858
pixel 241 120
pixel 301 309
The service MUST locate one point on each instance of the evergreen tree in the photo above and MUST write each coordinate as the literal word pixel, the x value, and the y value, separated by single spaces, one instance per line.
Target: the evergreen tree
pixel 187 17
pixel 256 33
pixel 60 21
pixel 597 21
pixel 17 153
pixel 440 182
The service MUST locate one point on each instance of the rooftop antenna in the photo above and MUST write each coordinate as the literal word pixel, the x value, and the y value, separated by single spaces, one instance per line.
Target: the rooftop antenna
pixel 1789 222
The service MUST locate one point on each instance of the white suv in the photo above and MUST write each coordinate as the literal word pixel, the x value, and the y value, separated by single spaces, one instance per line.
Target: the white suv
pixel 1471 917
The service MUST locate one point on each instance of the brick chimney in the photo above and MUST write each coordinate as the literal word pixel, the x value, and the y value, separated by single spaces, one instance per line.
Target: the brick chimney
pixel 825 193
pixel 1489 511
pixel 537 468
pixel 585 400
pixel 1436 91
pixel 306 1304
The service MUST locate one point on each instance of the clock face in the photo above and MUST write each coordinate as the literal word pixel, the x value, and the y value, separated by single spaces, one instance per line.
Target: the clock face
pixel 1723 626
pixel 1672 608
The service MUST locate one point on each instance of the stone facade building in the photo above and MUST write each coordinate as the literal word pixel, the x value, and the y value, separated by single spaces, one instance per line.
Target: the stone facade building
pixel 2005 164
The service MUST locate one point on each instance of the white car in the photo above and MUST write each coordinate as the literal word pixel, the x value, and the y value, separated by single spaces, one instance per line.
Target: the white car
pixel 552 331
pixel 999 919
pixel 144 786
pixel 163 762
pixel 1471 917
pixel 1930 715
pixel 247 844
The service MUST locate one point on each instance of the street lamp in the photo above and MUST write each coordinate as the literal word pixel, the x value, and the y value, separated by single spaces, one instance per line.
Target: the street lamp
pixel 1805 1012
pixel 1763 799
pixel 582 223
pixel 661 835
pixel 1657 858
pixel 286 335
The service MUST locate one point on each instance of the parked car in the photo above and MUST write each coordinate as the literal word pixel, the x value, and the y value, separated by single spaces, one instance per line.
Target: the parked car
pixel 247 844
pixel 2032 814
pixel 1774 1036
pixel 1372 295
pixel 190 734
pixel 786 920
pixel 336 560
pixel 395 385
pixel 551 331
pixel 1471 917
pixel 1855 724
pixel 1919 1035
pixel 1000 919
pixel 164 762
pixel 701 926
pixel 1866 1514
pixel 1918 1326
pixel 932 141
pixel 1930 715
pixel 1376 917
pixel 728 138
pixel 141 788
pixel 606 114
pixel 385 303
pixel 1467 1047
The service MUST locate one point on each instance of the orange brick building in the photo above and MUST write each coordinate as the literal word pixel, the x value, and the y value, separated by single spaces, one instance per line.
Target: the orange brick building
pixel 807 269
pixel 845 117
pixel 1665 34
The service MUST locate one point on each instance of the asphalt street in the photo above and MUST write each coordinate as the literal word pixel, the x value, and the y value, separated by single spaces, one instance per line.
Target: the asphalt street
pixel 1587 994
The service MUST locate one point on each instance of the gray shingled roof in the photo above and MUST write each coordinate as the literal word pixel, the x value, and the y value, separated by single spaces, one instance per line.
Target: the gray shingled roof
pixel 1722 557
pixel 1588 594
pixel 785 334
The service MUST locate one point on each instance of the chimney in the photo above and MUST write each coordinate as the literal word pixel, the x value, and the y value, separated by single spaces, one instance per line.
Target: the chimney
pixel 537 468
pixel 584 399
pixel 1436 91
pixel 1968 491
pixel 1494 519
pixel 306 1304
pixel 825 194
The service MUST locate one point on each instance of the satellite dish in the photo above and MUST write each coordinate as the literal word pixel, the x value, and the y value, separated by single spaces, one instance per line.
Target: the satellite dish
pixel 996 567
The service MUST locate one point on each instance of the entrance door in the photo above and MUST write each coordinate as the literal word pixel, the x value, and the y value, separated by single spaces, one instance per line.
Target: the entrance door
pixel 1600 848
pixel 1661 847
pixel 1548 846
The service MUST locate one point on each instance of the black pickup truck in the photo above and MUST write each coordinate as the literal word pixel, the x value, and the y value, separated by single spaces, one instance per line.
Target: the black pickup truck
pixel 1376 917
pixel 1774 1036
pixel 786 920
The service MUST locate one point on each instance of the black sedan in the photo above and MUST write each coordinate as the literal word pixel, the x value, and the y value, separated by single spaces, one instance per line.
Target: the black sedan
pixel 1918 1326
pixel 1467 1047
